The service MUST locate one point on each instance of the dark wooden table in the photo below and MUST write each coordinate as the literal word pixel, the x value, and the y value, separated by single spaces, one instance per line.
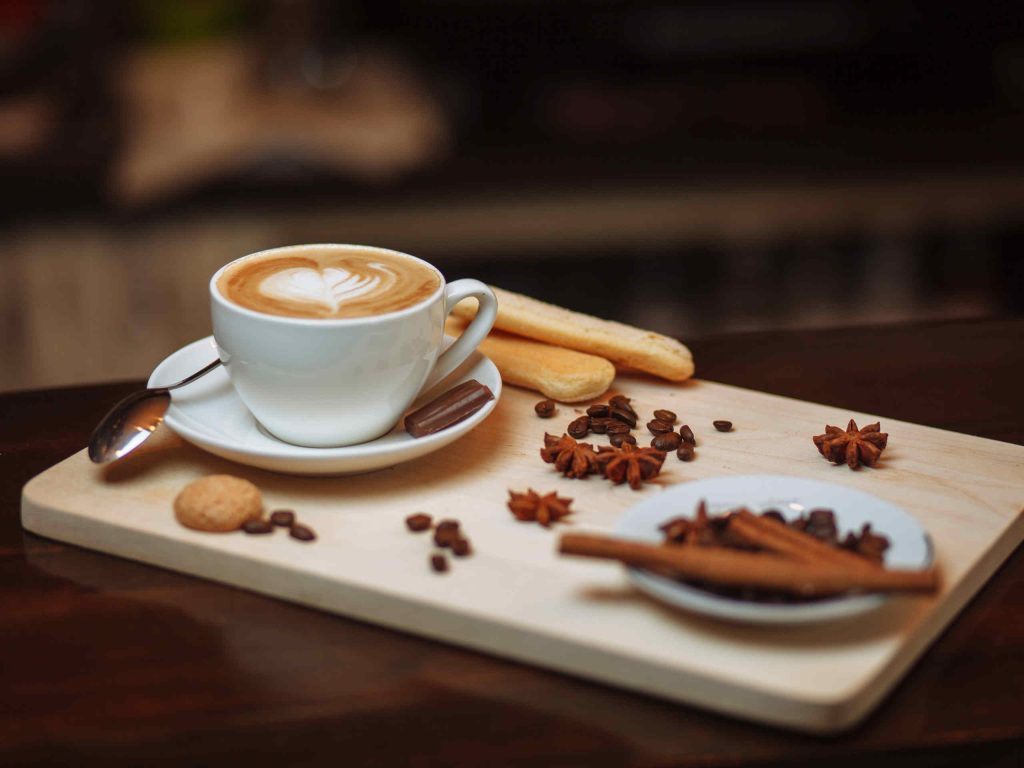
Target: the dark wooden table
pixel 109 662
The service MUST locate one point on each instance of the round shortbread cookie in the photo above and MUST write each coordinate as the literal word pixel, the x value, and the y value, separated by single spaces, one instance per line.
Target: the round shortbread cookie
pixel 218 503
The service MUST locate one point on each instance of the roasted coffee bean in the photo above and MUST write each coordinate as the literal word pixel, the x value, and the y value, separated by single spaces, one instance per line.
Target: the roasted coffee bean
pixel 622 403
pixel 282 517
pixel 439 563
pixel 616 427
pixel 665 415
pixel 626 416
pixel 617 439
pixel 545 409
pixel 257 526
pixel 722 425
pixel 445 537
pixel 600 426
pixel 579 428
pixel 685 452
pixel 418 522
pixel 687 434
pixel 598 410
pixel 659 427
pixel 461 547
pixel 667 441
pixel 301 532
pixel 448 524
pixel 774 514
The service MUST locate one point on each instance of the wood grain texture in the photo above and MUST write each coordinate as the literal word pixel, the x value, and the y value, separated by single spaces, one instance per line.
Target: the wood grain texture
pixel 118 662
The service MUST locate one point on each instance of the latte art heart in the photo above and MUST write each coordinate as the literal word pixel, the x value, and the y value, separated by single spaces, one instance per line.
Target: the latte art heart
pixel 330 287
pixel 328 282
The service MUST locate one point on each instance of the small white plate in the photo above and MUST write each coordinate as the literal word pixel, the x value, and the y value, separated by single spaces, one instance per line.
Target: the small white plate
pixel 209 414
pixel 909 547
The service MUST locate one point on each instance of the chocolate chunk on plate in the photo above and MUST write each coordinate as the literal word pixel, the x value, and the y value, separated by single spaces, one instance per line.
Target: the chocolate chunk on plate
pixel 458 403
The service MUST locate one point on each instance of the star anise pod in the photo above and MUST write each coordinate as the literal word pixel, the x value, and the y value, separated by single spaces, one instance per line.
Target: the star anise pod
pixel 852 445
pixel 634 465
pixel 532 507
pixel 571 458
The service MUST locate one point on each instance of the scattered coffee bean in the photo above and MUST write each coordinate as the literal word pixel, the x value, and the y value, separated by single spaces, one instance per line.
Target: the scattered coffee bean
pixel 418 522
pixel 600 426
pixel 439 563
pixel 461 547
pixel 687 434
pixel 545 409
pixel 301 532
pixel 685 452
pixel 282 517
pixel 663 415
pixel 257 526
pixel 658 427
pixel 445 537
pixel 666 441
pixel 621 403
pixel 722 425
pixel 616 427
pixel 626 416
pixel 598 410
pixel 448 524
pixel 579 428
pixel 618 439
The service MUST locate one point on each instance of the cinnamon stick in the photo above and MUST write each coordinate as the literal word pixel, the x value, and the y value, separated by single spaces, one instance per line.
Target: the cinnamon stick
pixel 745 569
pixel 778 537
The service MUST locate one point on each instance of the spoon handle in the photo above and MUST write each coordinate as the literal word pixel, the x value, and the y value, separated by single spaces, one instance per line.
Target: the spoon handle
pixel 198 374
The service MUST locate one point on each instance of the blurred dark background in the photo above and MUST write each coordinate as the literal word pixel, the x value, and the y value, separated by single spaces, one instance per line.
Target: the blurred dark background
pixel 692 167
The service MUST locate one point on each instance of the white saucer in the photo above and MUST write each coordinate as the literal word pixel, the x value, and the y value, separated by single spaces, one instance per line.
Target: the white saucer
pixel 209 414
pixel 909 547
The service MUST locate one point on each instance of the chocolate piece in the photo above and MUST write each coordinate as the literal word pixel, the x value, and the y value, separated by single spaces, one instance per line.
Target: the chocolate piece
pixel 722 425
pixel 301 532
pixel 418 522
pixel 282 517
pixel 453 406
pixel 257 526
pixel 545 409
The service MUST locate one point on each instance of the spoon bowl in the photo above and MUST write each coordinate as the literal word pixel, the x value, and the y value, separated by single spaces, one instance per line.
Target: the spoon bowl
pixel 130 423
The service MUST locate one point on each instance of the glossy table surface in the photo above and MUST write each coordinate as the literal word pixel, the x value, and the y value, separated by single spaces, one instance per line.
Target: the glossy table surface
pixel 110 662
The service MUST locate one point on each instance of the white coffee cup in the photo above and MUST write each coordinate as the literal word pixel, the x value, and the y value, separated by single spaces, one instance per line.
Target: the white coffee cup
pixel 342 381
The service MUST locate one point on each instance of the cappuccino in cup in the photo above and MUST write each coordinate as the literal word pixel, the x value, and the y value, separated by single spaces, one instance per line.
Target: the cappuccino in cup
pixel 327 283
pixel 328 345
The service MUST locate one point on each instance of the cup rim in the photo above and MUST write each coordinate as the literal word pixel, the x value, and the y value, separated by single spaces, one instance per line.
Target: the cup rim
pixel 320 322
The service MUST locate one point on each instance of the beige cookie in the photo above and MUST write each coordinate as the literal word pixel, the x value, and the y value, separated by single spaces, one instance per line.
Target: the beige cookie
pixel 556 372
pixel 218 503
pixel 624 345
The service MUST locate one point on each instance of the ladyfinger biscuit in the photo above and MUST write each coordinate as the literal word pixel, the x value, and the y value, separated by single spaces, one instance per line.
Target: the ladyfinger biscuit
pixel 559 373
pixel 624 345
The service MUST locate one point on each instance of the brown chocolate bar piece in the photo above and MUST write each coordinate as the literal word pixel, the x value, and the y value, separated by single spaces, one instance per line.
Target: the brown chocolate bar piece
pixel 453 406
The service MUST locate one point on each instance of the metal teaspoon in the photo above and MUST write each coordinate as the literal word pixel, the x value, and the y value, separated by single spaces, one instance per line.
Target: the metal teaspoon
pixel 133 420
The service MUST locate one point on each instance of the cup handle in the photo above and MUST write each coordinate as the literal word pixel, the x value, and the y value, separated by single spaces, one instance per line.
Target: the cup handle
pixel 474 333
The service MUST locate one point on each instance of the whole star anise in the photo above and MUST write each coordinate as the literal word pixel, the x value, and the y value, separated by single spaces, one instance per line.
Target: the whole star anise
pixel 634 465
pixel 571 458
pixel 532 507
pixel 852 445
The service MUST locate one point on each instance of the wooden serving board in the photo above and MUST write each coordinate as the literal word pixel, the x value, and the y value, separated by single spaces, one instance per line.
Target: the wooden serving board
pixel 515 597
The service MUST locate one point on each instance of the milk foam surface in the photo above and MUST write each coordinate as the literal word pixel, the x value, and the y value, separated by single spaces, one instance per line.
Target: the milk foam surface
pixel 327 283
